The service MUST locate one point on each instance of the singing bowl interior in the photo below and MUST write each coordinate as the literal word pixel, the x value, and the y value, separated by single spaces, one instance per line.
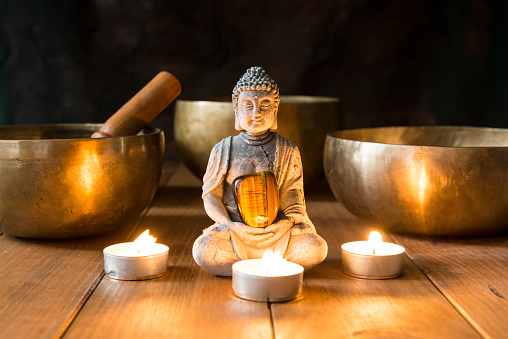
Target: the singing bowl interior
pixel 443 181
pixel 305 120
pixel 57 182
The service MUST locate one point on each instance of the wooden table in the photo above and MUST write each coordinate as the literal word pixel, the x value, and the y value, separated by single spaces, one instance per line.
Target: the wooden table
pixel 451 288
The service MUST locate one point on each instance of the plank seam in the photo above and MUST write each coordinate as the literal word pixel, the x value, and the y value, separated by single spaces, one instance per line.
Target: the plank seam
pixel 80 307
pixel 455 305
pixel 1 223
pixel 272 320
pixel 96 283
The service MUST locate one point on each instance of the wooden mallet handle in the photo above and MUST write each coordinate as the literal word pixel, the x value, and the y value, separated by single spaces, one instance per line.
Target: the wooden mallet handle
pixel 142 108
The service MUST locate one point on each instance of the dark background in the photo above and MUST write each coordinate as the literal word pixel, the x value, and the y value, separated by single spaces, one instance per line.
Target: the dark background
pixel 391 62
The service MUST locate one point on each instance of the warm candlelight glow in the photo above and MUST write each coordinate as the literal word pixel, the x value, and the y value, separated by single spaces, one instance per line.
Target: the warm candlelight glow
pixel 272 262
pixel 85 174
pixel 90 170
pixel 375 239
pixel 420 184
pixel 140 259
pixel 144 241
pixel 271 278
pixel 423 185
pixel 372 259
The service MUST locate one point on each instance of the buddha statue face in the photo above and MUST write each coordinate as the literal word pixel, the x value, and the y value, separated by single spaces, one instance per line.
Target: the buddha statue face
pixel 256 111
pixel 256 101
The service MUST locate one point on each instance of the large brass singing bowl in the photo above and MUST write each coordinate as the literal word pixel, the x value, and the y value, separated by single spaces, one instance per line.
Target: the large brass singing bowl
pixel 305 120
pixel 57 182
pixel 436 181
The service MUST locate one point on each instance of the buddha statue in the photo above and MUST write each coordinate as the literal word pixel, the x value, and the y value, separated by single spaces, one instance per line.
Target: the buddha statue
pixel 257 150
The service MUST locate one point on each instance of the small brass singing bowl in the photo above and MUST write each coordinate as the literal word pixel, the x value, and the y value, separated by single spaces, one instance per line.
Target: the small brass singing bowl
pixel 305 120
pixel 57 182
pixel 434 181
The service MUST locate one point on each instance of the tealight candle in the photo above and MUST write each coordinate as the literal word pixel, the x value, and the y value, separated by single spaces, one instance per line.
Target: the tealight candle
pixel 269 279
pixel 373 259
pixel 138 260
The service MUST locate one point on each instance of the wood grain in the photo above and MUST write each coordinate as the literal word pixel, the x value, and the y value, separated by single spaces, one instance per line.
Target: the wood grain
pixel 471 272
pixel 54 288
pixel 334 305
pixel 43 284
pixel 188 302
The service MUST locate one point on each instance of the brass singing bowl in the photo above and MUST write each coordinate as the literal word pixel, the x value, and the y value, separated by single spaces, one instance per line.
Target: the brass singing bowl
pixel 57 182
pixel 436 181
pixel 305 120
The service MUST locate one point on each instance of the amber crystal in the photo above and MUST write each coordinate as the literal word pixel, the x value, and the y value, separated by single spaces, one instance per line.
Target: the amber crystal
pixel 257 198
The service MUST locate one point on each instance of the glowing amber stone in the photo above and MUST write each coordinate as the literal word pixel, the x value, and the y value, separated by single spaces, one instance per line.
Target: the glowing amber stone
pixel 257 198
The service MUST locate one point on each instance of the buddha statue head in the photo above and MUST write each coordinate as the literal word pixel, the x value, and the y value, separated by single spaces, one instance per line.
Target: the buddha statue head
pixel 256 102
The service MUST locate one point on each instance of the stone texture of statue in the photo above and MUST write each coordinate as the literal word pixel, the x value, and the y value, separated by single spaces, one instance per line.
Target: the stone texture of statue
pixel 256 149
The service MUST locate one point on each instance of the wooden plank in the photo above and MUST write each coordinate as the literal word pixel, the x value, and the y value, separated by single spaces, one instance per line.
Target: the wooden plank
pixel 188 302
pixel 471 272
pixel 44 283
pixel 334 305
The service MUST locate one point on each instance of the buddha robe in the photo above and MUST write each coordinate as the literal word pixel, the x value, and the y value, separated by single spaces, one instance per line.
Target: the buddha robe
pixel 218 247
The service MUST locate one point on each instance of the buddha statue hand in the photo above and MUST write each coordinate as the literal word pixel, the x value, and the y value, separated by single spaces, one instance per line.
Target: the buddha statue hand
pixel 277 229
pixel 250 235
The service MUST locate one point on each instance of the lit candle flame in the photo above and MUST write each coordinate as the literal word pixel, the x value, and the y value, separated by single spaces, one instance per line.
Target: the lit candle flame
pixel 375 239
pixel 144 241
pixel 272 261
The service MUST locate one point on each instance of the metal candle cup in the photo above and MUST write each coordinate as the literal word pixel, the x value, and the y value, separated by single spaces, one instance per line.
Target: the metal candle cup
pixel 138 260
pixel 368 260
pixel 122 262
pixel 251 282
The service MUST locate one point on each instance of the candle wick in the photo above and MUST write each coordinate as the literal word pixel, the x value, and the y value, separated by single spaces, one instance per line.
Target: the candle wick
pixel 373 250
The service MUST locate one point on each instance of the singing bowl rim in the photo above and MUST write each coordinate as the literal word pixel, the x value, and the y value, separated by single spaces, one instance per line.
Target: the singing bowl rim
pixel 88 127
pixel 340 135
pixel 387 162
pixel 286 99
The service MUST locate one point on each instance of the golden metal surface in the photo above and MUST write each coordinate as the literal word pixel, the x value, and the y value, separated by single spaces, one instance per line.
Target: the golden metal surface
pixel 57 182
pixel 445 181
pixel 200 124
